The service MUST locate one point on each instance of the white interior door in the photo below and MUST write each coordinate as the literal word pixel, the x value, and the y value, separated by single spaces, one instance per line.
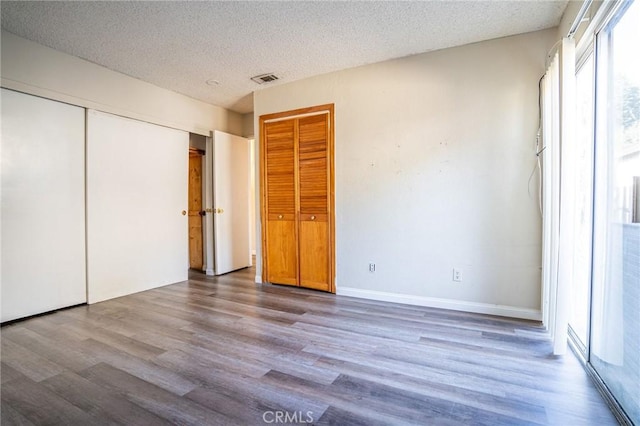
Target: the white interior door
pixel 137 189
pixel 231 202
pixel 42 225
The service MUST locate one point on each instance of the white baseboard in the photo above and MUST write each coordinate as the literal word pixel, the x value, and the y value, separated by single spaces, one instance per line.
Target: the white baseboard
pixel 209 272
pixel 258 279
pixel 433 302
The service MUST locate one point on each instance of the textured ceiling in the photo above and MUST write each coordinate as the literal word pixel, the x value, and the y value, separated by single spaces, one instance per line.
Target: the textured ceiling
pixel 181 45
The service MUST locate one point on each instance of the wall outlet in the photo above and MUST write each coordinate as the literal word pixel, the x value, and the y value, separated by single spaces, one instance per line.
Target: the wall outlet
pixel 457 275
pixel 372 267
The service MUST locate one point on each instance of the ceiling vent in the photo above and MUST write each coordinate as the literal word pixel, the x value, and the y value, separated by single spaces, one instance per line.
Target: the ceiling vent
pixel 264 78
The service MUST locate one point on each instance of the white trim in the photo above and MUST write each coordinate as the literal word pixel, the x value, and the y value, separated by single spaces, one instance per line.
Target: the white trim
pixel 288 117
pixel 597 21
pixel 433 302
pixel 41 92
pixel 258 279
pixel 207 203
pixel 582 14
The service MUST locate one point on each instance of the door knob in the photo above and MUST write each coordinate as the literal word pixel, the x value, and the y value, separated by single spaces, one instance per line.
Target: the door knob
pixel 313 218
pixel 220 211
pixel 184 212
pixel 280 216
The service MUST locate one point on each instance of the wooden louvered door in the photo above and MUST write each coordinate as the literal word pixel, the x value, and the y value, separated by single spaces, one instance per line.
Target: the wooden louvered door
pixel 313 196
pixel 297 158
pixel 280 197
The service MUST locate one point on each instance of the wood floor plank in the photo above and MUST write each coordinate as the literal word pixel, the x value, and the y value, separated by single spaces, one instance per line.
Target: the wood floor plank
pixel 503 404
pixel 34 366
pixel 41 406
pixel 116 340
pixel 63 355
pixel 225 350
pixel 217 360
pixel 274 355
pixel 10 416
pixel 244 409
pixel 336 397
pixel 338 417
pixel 99 402
pixel 138 367
pixel 162 403
pixel 58 332
pixel 7 373
pixel 184 310
pixel 242 387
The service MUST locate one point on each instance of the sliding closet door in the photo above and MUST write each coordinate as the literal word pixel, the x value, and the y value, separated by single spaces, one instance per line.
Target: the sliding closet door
pixel 280 201
pixel 43 236
pixel 137 227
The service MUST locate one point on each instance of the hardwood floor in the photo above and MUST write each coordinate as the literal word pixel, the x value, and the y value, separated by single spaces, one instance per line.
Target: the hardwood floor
pixel 226 351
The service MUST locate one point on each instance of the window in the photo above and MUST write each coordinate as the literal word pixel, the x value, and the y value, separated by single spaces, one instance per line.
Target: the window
pixel 615 309
pixel 583 170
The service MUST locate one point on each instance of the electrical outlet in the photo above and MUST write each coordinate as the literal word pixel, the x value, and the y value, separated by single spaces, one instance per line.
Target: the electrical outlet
pixel 372 267
pixel 457 275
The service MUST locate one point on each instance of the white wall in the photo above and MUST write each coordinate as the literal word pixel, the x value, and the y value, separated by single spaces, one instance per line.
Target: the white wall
pixel 433 157
pixel 247 125
pixel 35 69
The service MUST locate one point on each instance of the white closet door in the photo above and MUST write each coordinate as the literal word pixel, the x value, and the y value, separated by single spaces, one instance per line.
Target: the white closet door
pixel 42 225
pixel 137 181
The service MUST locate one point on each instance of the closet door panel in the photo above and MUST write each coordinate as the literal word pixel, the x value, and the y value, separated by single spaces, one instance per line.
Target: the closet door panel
pixel 282 252
pixel 314 254
pixel 137 188
pixel 280 198
pixel 313 166
pixel 43 216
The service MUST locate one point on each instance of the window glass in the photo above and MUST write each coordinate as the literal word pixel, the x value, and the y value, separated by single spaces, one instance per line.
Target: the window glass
pixel 581 285
pixel 615 329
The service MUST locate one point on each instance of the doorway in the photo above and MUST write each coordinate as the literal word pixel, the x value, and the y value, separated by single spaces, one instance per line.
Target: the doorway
pixel 219 203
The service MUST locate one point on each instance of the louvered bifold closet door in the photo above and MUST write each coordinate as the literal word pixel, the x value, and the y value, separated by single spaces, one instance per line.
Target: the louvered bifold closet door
pixel 314 218
pixel 280 192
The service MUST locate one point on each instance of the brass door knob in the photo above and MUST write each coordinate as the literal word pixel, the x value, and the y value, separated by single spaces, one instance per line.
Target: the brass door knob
pixel 313 218
pixel 220 211
pixel 280 216
pixel 184 212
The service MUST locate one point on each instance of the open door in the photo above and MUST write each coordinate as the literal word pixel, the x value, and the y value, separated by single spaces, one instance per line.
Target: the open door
pixel 231 202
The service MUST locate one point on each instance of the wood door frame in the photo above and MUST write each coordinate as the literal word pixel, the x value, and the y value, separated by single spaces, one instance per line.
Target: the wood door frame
pixel 287 115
